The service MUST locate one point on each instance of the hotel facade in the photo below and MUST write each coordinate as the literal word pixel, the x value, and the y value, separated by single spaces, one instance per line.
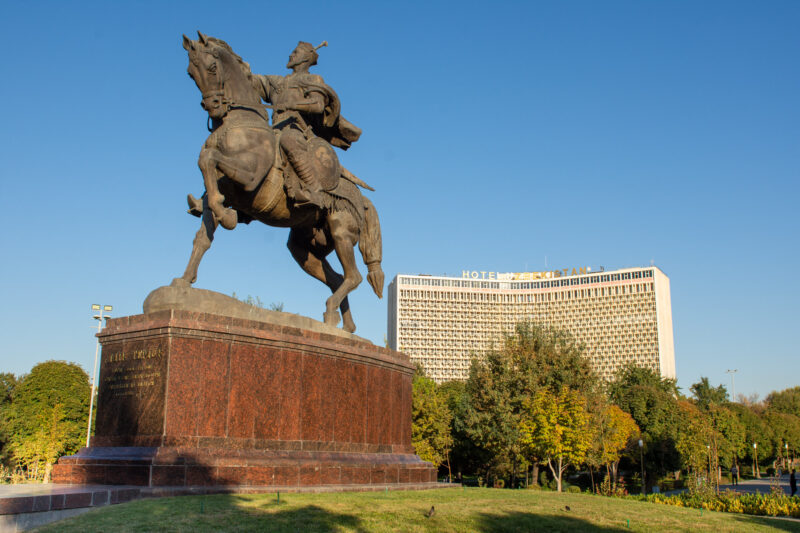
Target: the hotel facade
pixel 621 316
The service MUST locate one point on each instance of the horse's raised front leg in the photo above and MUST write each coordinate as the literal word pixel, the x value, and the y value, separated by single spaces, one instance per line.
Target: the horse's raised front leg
pixel 312 260
pixel 201 244
pixel 344 231
pixel 208 166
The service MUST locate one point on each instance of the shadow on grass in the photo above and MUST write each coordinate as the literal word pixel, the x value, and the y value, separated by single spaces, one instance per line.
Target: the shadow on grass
pixel 782 524
pixel 517 521
pixel 274 516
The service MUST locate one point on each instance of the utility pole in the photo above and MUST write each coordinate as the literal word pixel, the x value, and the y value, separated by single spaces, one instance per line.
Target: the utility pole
pixel 99 318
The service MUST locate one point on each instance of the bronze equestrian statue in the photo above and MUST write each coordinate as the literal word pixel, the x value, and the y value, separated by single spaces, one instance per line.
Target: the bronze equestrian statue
pixel 285 175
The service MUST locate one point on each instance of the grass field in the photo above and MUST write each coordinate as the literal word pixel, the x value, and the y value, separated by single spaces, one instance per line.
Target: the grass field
pixel 469 509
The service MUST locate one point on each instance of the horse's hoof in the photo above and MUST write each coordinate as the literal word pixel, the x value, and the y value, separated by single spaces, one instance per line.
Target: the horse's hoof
pixel 348 325
pixel 331 318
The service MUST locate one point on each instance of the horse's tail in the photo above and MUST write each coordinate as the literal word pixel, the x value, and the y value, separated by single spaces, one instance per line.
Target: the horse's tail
pixel 371 246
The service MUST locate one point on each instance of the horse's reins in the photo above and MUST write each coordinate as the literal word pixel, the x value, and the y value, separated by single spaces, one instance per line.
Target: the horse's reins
pixel 230 104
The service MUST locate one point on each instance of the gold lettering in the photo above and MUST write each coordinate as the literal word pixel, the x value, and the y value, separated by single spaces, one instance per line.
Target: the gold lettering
pixel 483 274
pixel 465 273
pixel 582 270
pixel 116 357
pixel 491 275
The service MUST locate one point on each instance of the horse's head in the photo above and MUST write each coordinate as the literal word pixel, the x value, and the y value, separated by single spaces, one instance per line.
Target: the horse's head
pixel 219 73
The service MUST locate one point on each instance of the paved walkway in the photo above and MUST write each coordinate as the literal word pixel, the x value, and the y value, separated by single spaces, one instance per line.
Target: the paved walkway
pixel 754 486
pixel 23 507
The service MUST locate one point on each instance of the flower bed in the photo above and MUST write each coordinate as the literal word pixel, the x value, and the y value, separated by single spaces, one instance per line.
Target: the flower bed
pixel 732 502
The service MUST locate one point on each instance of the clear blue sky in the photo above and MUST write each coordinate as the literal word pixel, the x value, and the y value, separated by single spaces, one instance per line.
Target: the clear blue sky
pixel 496 134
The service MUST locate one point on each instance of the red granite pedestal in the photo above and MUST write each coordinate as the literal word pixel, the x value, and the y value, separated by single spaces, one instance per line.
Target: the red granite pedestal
pixel 190 399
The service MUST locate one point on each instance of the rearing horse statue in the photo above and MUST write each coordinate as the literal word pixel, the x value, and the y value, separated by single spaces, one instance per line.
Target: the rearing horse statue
pixel 245 182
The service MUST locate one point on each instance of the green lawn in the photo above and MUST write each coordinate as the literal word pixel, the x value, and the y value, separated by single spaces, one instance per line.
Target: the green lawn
pixel 469 509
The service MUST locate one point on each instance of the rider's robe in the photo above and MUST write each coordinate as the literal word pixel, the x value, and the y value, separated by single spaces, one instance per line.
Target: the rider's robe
pixel 330 125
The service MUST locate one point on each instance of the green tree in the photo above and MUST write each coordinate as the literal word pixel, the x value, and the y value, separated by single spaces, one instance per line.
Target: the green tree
pixel 503 380
pixel 693 442
pixel 756 430
pixel 786 401
pixel 48 416
pixel 465 455
pixel 785 430
pixel 652 402
pixel 729 434
pixel 430 424
pixel 555 427
pixel 8 383
pixel 706 395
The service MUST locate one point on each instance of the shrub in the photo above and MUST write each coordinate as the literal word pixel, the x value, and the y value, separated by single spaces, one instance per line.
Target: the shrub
pixel 607 488
pixel 573 489
pixel 732 502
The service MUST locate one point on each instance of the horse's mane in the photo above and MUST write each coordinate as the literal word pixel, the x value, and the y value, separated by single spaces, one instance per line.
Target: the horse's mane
pixel 242 63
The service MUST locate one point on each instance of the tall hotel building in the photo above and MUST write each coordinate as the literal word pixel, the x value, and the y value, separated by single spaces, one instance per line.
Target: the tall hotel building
pixel 622 316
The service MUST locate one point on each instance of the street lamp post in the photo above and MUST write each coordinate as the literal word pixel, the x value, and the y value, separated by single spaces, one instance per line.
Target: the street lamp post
pixel 99 317
pixel 733 383
pixel 786 457
pixel 755 461
pixel 641 460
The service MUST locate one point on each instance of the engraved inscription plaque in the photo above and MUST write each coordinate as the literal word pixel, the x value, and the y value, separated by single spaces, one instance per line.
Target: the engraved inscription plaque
pixel 131 388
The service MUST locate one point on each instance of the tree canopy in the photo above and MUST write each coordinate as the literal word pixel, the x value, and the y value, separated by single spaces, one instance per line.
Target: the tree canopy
pixel 786 401
pixel 503 381
pixel 47 417
pixel 555 427
pixel 706 395
pixel 431 418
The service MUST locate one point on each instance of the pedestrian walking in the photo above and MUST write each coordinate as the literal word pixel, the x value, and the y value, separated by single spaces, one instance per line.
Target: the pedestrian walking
pixel 793 481
pixel 735 474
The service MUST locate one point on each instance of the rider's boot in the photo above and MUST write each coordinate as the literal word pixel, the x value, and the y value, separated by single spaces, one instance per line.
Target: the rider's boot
pixel 307 196
pixel 306 193
pixel 195 206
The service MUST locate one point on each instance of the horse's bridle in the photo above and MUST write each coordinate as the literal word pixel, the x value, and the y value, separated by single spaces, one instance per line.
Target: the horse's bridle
pixel 229 104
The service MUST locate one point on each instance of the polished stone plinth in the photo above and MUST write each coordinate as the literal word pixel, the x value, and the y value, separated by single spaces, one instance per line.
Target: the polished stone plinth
pixel 193 399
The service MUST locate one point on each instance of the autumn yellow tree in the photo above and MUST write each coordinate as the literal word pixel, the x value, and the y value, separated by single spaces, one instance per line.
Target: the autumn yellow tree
pixel 614 429
pixel 694 435
pixel 556 427
pixel 430 424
